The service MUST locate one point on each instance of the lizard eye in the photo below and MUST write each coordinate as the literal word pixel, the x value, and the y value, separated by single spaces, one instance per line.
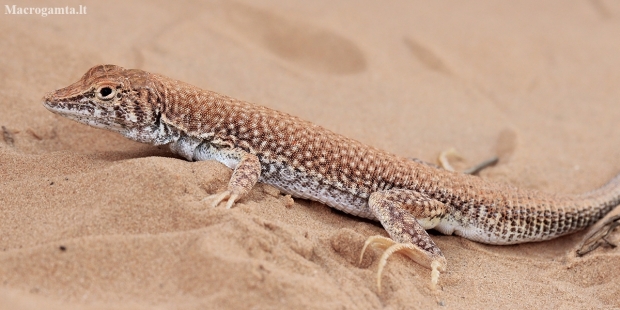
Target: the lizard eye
pixel 105 93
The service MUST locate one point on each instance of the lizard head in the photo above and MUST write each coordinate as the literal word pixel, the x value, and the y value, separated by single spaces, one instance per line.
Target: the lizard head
pixel 113 98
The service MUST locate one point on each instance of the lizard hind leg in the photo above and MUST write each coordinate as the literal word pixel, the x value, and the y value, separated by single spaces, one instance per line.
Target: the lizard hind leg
pixel 400 212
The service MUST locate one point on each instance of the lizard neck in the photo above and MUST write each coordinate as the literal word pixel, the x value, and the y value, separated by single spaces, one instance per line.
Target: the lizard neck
pixel 158 134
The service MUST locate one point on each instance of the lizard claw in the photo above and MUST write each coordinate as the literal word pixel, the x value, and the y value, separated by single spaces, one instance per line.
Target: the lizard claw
pixel 217 198
pixel 436 265
pixel 384 243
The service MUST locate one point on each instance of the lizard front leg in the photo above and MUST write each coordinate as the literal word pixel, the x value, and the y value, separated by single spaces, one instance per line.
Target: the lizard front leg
pixel 405 214
pixel 244 177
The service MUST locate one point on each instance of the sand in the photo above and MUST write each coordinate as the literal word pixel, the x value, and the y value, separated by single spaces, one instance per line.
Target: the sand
pixel 91 220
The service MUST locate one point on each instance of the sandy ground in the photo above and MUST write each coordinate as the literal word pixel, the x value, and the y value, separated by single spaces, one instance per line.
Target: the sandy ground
pixel 90 220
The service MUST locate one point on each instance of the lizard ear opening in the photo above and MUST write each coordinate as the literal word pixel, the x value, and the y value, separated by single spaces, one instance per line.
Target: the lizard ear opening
pixel 105 93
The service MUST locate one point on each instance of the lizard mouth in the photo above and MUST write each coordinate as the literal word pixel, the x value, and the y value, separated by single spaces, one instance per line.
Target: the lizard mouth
pixel 83 111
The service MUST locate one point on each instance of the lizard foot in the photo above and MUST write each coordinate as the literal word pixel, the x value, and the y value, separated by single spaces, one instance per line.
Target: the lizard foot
pixel 217 198
pixel 444 162
pixel 598 234
pixel 436 264
pixel 243 178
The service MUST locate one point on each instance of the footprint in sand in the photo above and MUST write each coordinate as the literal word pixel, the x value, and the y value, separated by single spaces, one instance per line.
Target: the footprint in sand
pixel 302 43
pixel 507 143
pixel 601 9
pixel 296 42
pixel 427 57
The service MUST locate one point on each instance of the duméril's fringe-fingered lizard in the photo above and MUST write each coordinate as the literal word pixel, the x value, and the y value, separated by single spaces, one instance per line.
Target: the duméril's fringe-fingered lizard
pixel 307 161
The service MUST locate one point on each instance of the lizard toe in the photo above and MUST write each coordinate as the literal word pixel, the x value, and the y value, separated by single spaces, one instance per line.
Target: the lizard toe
pixel 231 200
pixel 217 198
pixel 380 241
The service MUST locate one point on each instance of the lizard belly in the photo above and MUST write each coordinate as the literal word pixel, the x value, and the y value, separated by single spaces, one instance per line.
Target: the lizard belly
pixel 450 225
pixel 479 233
pixel 301 185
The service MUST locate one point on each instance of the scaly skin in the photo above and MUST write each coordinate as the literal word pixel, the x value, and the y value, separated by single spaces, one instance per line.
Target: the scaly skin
pixel 308 161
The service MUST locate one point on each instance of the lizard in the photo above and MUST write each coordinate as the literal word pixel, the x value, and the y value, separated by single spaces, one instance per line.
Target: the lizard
pixel 307 161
